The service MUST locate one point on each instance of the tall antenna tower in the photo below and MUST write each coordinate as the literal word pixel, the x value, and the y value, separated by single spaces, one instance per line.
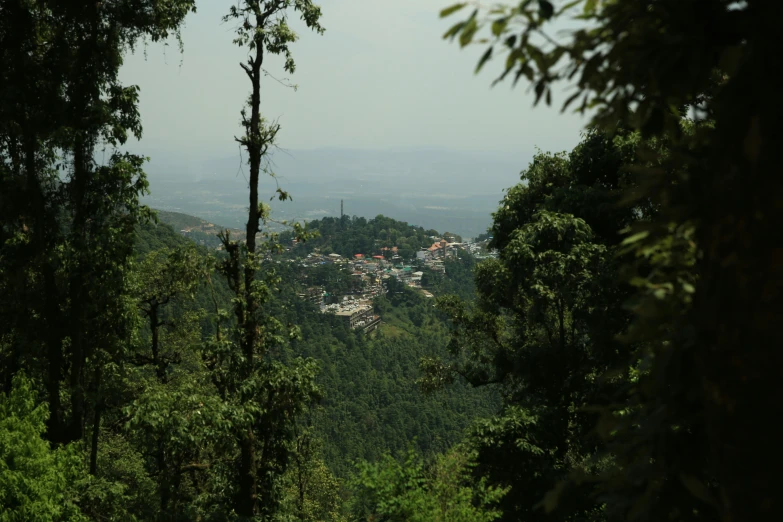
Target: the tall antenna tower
pixel 341 210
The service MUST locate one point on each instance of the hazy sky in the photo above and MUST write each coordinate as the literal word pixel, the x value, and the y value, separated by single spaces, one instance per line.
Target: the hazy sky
pixel 381 76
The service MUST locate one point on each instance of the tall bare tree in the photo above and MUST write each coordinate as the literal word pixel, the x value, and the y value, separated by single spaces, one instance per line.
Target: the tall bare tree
pixel 262 27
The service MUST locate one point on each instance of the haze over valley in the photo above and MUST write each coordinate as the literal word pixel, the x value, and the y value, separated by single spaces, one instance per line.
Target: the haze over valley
pixel 435 188
pixel 387 116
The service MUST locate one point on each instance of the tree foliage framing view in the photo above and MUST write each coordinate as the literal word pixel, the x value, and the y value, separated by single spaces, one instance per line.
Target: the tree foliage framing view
pixel 610 355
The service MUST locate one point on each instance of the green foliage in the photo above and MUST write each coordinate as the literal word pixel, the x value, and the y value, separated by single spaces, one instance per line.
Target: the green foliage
pixel 198 230
pixel 164 275
pixel 484 236
pixel 170 399
pixel 703 258
pixel 337 280
pixel 36 482
pixel 458 279
pixel 589 182
pixel 262 25
pixel 122 489
pixel 179 221
pixel 371 403
pixel 442 491
pixel 321 499
pixel 67 221
pixel 543 327
pixel 169 441
pixel 311 493
pixel 602 54
pixel 358 235
pixel 629 324
pixel 263 394
pixel 152 236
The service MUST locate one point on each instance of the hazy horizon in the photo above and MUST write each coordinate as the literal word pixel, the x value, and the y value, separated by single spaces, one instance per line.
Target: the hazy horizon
pixel 377 89
pixel 401 183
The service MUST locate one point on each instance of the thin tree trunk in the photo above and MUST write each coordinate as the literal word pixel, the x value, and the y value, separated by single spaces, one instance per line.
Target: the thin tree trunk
pixel 248 494
pixel 300 455
pixel 96 424
pixel 561 325
pixel 53 343
pixel 248 501
pixel 84 92
pixel 165 486
pixel 254 149
pixel 55 428
pixel 78 288
pixel 157 360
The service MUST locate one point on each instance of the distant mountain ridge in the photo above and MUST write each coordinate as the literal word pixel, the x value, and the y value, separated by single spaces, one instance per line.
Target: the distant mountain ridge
pixel 439 189
pixel 454 171
pixel 200 231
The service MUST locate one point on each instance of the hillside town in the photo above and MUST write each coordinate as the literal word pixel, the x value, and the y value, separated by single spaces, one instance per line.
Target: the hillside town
pixel 371 275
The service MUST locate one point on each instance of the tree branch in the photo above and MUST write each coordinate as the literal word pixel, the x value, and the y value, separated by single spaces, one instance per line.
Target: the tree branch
pixel 194 466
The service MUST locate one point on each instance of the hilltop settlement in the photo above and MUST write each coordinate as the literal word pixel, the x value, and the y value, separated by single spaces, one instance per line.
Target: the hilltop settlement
pixel 352 261
pixel 370 276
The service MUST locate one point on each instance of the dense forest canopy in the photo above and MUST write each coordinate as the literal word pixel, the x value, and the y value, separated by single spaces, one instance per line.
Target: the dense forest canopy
pixel 614 356
pixel 377 236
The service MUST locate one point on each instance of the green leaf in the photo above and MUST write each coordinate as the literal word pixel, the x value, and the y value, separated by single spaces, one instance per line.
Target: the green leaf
pixel 570 100
pixel 452 9
pixel 590 6
pixel 540 86
pixel 484 58
pixel 635 237
pixel 546 8
pixel 499 25
pixel 452 32
pixel 468 32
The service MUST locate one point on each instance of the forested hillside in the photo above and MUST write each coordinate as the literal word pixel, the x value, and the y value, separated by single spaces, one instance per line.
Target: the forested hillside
pixel 371 403
pixel 357 235
pixel 151 236
pixel 200 231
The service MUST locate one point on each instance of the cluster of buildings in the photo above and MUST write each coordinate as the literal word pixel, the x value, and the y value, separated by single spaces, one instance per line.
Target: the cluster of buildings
pixel 314 295
pixel 372 274
pixel 355 313
pixel 358 316
pixel 317 258
pixel 480 250
pixel 436 254
pixel 371 280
